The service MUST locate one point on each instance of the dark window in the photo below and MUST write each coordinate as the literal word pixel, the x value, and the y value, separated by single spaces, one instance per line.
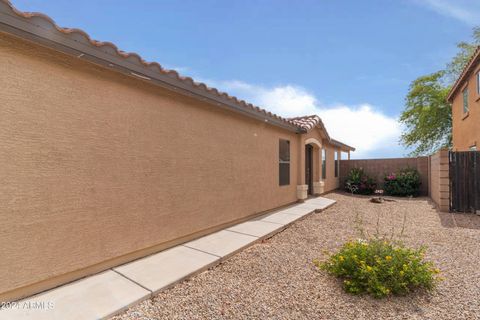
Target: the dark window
pixel 284 162
pixel 478 83
pixel 324 163
pixel 465 100
pixel 336 164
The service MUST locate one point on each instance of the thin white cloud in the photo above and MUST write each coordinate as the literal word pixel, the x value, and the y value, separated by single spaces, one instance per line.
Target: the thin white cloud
pixel 467 11
pixel 362 126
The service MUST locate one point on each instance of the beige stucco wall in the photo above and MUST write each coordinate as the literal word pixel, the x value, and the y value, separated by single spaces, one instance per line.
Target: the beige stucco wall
pixel 96 166
pixel 466 127
pixel 99 168
pixel 439 180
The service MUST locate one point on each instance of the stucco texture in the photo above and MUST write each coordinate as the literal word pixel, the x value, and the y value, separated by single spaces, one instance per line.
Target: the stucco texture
pixel 466 127
pixel 98 167
pixel 439 180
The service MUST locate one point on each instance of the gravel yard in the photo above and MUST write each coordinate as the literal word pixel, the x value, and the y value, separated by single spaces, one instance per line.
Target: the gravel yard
pixel 276 279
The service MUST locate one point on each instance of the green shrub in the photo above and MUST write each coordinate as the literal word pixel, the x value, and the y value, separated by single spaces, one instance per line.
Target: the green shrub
pixel 404 183
pixel 381 268
pixel 358 182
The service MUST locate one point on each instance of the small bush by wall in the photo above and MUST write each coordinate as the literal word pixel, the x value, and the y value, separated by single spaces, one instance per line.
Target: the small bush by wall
pixel 360 183
pixel 376 169
pixel 406 182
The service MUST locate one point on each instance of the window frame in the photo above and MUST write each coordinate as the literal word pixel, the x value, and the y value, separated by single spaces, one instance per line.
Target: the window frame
pixel 282 162
pixel 478 83
pixel 337 164
pixel 465 96
pixel 324 163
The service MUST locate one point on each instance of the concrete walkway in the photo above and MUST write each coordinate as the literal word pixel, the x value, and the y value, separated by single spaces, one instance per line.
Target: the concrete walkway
pixel 105 294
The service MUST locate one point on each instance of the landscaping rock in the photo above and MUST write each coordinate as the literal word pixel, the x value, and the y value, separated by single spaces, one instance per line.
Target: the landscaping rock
pixel 276 279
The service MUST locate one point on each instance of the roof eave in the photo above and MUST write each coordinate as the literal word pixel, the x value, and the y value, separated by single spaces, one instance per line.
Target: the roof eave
pixel 343 146
pixel 75 43
pixel 465 73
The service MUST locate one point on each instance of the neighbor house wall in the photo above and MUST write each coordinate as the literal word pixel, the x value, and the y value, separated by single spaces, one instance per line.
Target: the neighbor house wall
pixel 98 168
pixel 377 168
pixel 466 126
pixel 439 180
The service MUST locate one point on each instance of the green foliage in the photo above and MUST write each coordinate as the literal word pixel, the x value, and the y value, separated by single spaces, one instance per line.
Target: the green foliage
pixel 427 116
pixel 381 268
pixel 404 183
pixel 459 61
pixel 358 182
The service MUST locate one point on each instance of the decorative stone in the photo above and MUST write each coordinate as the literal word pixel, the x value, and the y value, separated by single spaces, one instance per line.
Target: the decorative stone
pixel 318 187
pixel 302 192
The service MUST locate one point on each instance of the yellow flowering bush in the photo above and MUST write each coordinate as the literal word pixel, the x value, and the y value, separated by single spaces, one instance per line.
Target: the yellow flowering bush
pixel 381 268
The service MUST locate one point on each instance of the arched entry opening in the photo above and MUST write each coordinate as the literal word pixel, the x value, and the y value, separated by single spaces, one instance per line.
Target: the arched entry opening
pixel 312 163
pixel 310 182
pixel 309 168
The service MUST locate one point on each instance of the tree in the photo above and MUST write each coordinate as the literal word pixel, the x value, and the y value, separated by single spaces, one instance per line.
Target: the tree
pixel 427 117
pixel 458 63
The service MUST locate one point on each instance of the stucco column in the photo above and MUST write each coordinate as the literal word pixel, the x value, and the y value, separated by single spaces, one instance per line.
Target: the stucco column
pixel 301 162
pixel 302 188
pixel 318 188
pixel 302 192
pixel 444 181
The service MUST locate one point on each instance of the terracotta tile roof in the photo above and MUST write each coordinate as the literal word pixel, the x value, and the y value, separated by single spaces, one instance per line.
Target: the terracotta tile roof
pixel 78 34
pixel 307 123
pixel 299 124
pixel 466 71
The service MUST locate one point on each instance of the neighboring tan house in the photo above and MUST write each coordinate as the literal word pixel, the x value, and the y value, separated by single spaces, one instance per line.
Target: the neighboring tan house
pixel 105 158
pixel 465 100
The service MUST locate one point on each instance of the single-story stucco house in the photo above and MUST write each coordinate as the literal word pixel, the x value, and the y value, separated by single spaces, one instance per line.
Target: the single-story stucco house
pixel 105 158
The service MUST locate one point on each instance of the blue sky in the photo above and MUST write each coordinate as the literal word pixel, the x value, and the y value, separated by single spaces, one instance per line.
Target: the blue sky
pixel 349 61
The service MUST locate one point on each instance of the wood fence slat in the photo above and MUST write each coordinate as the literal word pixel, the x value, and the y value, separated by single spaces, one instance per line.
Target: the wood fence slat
pixel 464 181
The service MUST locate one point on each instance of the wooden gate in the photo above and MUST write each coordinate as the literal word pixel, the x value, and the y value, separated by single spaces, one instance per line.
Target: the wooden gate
pixel 465 181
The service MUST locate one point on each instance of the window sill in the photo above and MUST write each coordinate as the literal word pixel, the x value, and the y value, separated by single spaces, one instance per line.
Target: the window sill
pixel 465 115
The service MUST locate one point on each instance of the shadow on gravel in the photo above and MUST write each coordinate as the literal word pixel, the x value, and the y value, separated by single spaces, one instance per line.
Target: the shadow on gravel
pixel 459 220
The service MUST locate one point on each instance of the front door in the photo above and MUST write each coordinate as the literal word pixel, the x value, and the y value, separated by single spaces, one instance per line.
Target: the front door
pixel 309 168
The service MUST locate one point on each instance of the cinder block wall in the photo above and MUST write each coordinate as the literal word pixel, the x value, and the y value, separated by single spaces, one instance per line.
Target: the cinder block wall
pixel 439 180
pixel 377 168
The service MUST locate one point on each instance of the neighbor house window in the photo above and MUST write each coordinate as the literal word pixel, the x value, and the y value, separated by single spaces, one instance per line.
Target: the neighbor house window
pixel 284 162
pixel 478 83
pixel 465 100
pixel 324 163
pixel 337 163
